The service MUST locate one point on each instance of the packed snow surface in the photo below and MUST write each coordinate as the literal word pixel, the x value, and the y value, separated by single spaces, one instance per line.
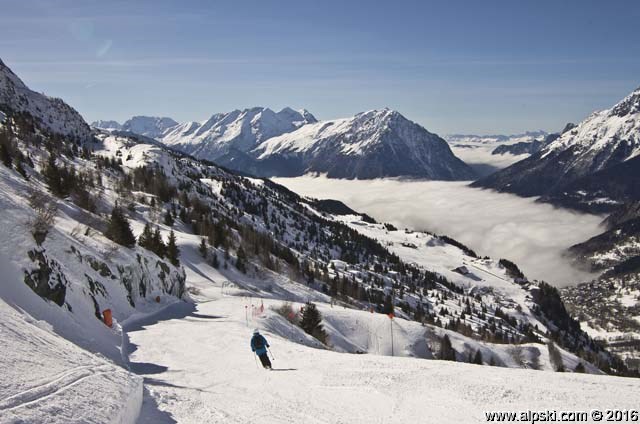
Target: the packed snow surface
pixel 201 369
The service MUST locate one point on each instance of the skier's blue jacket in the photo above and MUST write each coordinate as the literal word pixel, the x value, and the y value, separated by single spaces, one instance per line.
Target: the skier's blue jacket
pixel 259 344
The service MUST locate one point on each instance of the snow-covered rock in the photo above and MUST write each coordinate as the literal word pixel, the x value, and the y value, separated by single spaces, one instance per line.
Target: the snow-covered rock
pixel 51 114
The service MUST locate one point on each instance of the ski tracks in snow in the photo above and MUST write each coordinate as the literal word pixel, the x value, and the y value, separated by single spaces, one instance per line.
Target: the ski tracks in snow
pixel 56 385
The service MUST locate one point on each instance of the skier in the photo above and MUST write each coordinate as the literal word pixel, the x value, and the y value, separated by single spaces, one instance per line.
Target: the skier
pixel 259 345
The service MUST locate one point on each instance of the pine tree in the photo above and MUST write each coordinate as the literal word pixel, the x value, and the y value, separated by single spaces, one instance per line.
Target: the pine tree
pixel 579 368
pixel 168 219
pixel 387 307
pixel 555 357
pixel 157 245
pixel 20 168
pixel 119 230
pixel 311 322
pixel 447 352
pixel 478 358
pixel 5 155
pixel 173 252
pixel 146 238
pixel 215 262
pixel 241 260
pixel 203 248
pixel 51 174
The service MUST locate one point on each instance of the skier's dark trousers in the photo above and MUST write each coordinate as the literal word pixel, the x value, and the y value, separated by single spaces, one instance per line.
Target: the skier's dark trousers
pixel 259 345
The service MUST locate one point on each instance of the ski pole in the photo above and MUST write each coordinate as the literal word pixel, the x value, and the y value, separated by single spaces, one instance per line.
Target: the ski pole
pixel 254 357
pixel 272 358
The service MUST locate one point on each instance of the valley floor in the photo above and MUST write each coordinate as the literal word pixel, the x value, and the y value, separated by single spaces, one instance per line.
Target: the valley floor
pixel 198 367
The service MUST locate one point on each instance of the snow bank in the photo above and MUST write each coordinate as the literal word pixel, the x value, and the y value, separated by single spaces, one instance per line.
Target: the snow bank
pixel 47 379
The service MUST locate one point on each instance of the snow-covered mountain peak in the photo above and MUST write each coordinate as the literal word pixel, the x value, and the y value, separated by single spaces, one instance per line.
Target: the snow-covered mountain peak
pixel 612 134
pixel 51 113
pixel 629 105
pixel 238 130
pixel 590 166
pixel 106 125
pixel 371 144
pixel 149 126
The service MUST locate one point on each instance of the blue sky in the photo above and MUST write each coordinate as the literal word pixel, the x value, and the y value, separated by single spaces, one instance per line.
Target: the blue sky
pixel 453 66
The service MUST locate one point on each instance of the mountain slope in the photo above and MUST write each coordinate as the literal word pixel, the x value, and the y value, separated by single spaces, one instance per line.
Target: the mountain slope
pixel 50 114
pixel 605 139
pixel 378 143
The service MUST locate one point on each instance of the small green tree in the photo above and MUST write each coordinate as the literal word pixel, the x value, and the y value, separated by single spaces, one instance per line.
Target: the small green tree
pixel 241 260
pixel 119 230
pixel 203 248
pixel 146 238
pixel 51 174
pixel 311 322
pixel 157 245
pixel 215 262
pixel 477 359
pixel 173 252
pixel 5 155
pixel 555 357
pixel 168 219
pixel 447 352
pixel 580 368
pixel 387 307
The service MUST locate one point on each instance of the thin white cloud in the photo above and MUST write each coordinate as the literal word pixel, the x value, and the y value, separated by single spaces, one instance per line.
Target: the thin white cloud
pixel 482 155
pixel 104 49
pixel 500 225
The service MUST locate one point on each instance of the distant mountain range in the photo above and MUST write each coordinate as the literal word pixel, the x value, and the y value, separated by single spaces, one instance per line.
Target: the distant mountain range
pixel 488 153
pixel 259 141
pixel 594 166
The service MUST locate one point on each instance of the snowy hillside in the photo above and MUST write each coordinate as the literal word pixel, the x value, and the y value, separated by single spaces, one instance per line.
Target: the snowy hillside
pixel 46 378
pixel 187 257
pixel 211 377
pixel 565 171
pixel 378 143
pixel 51 114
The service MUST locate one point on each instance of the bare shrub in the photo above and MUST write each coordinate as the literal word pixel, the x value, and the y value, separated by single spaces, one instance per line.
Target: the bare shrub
pixel 517 354
pixel 110 252
pixel 46 209
pixel 286 311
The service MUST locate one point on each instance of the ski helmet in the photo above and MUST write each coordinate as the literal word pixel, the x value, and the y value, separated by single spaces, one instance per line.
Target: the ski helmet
pixel 256 331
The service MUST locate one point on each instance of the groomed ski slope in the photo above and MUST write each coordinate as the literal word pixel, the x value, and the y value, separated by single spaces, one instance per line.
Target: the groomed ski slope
pixel 201 370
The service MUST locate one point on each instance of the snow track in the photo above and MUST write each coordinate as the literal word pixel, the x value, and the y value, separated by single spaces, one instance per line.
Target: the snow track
pixel 210 376
pixel 47 379
pixel 52 387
